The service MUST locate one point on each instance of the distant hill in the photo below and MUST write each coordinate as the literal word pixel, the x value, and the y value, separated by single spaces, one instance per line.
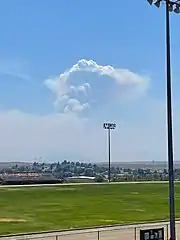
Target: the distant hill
pixel 10 164
pixel 143 164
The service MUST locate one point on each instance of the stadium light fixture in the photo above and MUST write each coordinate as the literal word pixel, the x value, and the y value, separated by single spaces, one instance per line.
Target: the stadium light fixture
pixel 177 9
pixel 171 6
pixel 109 127
pixel 158 3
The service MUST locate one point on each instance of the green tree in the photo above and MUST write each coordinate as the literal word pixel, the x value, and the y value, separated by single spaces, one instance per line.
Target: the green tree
pixel 99 178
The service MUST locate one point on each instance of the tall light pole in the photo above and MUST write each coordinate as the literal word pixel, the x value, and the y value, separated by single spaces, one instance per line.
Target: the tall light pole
pixel 109 127
pixel 171 6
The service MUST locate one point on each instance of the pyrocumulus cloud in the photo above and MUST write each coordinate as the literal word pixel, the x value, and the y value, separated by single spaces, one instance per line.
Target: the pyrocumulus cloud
pixel 61 87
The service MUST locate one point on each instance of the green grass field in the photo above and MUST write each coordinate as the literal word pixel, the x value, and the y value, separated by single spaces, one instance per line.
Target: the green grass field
pixel 30 209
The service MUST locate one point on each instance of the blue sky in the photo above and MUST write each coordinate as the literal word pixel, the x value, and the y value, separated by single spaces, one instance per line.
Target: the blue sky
pixel 42 39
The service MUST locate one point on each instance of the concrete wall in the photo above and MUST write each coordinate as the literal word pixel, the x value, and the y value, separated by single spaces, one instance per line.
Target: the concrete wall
pixel 125 232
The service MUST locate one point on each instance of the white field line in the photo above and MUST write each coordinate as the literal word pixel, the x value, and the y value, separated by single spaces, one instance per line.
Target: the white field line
pixel 74 184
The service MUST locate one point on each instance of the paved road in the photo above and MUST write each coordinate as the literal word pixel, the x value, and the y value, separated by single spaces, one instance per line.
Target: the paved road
pixel 74 184
pixel 127 232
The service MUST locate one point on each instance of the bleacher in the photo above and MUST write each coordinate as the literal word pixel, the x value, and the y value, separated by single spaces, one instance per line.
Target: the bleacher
pixel 28 178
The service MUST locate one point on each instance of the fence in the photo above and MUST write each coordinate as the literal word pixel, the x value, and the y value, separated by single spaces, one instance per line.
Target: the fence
pixel 125 232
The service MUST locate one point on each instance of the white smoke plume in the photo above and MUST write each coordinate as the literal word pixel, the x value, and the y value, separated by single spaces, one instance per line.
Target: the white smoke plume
pixel 63 89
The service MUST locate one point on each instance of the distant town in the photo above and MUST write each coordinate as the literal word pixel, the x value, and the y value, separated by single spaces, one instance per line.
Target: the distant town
pixel 69 171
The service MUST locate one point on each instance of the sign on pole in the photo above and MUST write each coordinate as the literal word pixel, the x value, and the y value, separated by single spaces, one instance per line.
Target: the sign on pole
pixel 152 234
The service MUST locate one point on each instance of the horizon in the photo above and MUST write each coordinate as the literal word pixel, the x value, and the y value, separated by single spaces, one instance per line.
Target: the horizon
pixel 105 162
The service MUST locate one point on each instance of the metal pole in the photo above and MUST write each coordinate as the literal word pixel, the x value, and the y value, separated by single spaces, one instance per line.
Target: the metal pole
pixel 98 235
pixel 109 154
pixel 135 230
pixel 169 129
